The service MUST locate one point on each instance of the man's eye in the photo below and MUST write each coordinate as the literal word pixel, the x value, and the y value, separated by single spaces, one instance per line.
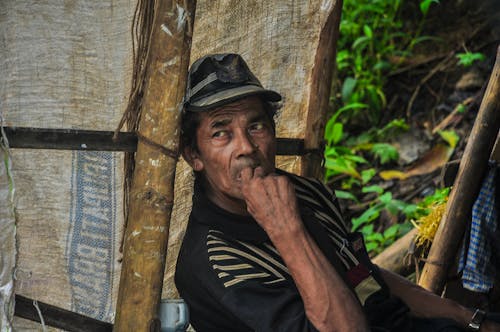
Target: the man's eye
pixel 220 134
pixel 257 126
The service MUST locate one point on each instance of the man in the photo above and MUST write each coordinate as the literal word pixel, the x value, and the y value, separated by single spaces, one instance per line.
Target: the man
pixel 266 250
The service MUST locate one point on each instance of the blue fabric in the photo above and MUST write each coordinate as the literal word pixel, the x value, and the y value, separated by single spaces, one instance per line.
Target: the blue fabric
pixel 478 270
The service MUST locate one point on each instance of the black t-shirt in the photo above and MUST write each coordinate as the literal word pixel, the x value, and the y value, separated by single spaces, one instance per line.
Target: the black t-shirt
pixel 233 278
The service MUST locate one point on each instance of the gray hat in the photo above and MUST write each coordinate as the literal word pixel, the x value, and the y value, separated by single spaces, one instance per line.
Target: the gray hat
pixel 218 79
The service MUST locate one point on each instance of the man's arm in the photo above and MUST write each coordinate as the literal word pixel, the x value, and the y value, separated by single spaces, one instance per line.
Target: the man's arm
pixel 329 303
pixel 423 303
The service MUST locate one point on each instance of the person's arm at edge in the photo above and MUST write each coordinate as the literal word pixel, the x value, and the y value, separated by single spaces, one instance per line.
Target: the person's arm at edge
pixel 423 303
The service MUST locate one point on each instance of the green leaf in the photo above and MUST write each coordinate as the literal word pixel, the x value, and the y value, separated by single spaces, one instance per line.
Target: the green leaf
pixel 392 231
pixel 450 136
pixel 461 109
pixel 368 31
pixel 371 246
pixel 375 237
pixel 392 129
pixel 382 65
pixel 333 131
pixel 347 88
pixel 385 152
pixel 438 197
pixel 337 132
pixel 331 152
pixel 343 166
pixel 422 39
pixel 367 230
pixel 345 195
pixel 369 215
pixel 356 159
pixel 367 175
pixel 411 211
pixel 372 189
pixel 395 205
pixel 385 198
pixel 349 182
pixel 343 59
pixel 425 4
pixel 468 58
pixel 360 43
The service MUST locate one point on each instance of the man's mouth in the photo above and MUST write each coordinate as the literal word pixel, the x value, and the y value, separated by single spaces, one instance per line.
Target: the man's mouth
pixel 253 166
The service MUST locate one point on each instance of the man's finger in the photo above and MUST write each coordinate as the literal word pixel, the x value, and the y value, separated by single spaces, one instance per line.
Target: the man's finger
pixel 259 172
pixel 246 174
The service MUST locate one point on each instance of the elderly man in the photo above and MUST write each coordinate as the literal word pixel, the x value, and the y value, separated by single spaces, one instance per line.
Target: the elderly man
pixel 266 250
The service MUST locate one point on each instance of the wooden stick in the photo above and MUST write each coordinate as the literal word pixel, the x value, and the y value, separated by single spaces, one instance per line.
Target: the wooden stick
pixel 449 118
pixel 151 194
pixel 91 140
pixel 467 184
pixel 69 139
pixel 58 317
pixel 320 92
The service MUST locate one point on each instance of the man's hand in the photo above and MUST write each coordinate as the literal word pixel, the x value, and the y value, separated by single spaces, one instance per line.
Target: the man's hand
pixel 271 201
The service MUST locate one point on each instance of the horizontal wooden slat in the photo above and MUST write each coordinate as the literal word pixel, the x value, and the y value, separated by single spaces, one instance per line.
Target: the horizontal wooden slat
pixel 74 139
pixel 69 139
pixel 57 317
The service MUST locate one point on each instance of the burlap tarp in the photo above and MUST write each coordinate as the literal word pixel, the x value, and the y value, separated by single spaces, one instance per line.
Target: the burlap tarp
pixel 67 65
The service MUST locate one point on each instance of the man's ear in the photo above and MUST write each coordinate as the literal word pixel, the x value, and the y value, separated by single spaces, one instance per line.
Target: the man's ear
pixel 192 158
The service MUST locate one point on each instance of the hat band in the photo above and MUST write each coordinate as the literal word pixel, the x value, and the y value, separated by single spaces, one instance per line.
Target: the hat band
pixel 233 94
pixel 203 83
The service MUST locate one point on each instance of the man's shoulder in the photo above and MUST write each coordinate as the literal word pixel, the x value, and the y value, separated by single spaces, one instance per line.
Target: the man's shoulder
pixel 318 197
pixel 309 186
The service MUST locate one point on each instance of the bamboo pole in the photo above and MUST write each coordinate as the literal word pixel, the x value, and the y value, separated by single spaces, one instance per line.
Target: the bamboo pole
pixel 151 194
pixel 320 93
pixel 466 187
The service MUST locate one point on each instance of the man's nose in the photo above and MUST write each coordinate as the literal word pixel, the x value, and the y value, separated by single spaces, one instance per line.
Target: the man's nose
pixel 245 143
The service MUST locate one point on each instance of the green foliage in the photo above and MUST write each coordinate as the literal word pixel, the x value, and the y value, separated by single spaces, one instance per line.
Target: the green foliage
pixel 341 160
pixel 425 4
pixel 450 137
pixel 422 208
pixel 468 58
pixel 345 159
pixel 385 152
pixel 373 41
pixel 345 195
pixel 377 241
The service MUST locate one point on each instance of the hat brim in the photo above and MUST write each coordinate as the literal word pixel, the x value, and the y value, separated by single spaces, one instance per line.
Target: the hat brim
pixel 227 96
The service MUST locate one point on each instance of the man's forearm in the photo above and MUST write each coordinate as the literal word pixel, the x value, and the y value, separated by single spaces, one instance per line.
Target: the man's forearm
pixel 329 304
pixel 423 303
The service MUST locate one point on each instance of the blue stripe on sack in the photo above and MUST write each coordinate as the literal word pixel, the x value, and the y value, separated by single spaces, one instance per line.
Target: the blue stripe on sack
pixel 91 238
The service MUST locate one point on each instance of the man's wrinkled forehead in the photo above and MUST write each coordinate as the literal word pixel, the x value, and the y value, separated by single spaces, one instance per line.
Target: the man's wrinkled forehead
pixel 252 108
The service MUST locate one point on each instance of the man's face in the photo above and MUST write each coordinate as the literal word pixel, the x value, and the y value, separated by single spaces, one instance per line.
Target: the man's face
pixel 231 138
